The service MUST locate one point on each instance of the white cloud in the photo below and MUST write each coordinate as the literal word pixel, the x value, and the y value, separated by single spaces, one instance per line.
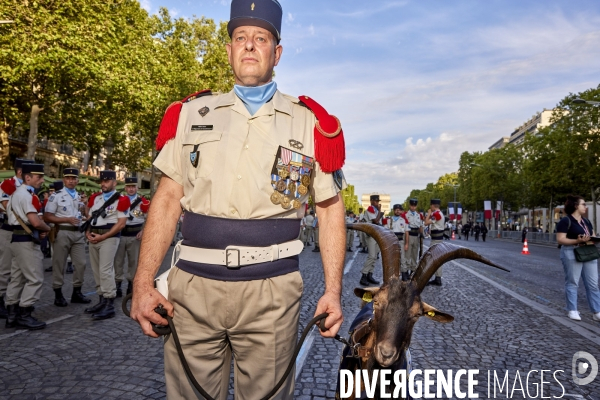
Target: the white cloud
pixel 145 4
pixel 290 18
pixel 311 29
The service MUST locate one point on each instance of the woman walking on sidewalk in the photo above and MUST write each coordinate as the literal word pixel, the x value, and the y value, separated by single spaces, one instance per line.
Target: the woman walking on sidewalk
pixel 572 231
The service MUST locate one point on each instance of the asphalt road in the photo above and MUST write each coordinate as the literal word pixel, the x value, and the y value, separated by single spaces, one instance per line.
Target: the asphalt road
pixel 504 323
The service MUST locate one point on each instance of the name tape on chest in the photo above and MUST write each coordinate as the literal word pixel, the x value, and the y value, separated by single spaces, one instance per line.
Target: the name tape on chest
pixel 202 128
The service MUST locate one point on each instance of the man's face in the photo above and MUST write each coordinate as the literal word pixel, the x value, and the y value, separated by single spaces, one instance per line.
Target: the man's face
pixel 413 207
pixel 70 181
pixel 108 185
pixel 253 53
pixel 33 180
pixel 375 203
pixel 131 189
pixel 397 211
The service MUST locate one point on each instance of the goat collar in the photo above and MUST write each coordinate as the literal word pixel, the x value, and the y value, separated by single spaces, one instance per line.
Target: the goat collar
pixel 361 331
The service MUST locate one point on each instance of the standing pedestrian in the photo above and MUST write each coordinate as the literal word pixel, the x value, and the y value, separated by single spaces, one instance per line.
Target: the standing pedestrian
pixel 309 229
pixel 435 220
pixel 131 236
pixel 27 269
pixel 399 225
pixel 316 234
pixel 64 211
pixel 415 226
pixel 375 216
pixel 221 178
pixel 524 234
pixel 467 229
pixel 349 232
pixel 573 231
pixel 362 236
pixel 476 231
pixel 7 188
pixel 104 234
pixel 484 231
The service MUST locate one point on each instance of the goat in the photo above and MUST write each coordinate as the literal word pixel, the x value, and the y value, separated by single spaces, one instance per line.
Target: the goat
pixel 382 331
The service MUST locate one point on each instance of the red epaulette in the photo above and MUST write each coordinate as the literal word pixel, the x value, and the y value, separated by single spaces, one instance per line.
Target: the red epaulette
pixel 371 210
pixel 123 204
pixel 330 149
pixel 36 202
pixel 8 186
pixel 92 199
pixel 168 125
pixel 422 217
pixel 145 205
pixel 403 215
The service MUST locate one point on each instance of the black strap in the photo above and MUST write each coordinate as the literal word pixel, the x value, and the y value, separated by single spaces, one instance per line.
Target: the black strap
pixel 135 203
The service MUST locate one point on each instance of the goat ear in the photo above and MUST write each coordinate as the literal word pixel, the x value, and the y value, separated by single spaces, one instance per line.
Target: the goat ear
pixel 435 314
pixel 360 292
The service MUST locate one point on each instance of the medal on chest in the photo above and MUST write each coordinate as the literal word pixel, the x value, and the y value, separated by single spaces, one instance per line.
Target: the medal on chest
pixel 290 178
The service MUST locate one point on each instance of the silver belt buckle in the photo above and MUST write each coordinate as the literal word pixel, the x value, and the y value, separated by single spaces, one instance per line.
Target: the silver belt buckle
pixel 229 253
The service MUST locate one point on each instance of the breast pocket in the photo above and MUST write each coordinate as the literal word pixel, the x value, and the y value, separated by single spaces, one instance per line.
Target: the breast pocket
pixel 201 150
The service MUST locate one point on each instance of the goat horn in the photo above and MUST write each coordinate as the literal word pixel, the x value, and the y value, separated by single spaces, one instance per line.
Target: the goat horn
pixel 441 253
pixel 389 245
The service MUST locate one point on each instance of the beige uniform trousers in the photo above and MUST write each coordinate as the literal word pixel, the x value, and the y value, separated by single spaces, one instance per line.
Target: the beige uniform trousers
pixel 403 267
pixel 309 234
pixel 411 258
pixel 255 321
pixel 129 246
pixel 26 275
pixel 316 233
pixel 439 270
pixel 363 239
pixel 372 256
pixel 349 238
pixel 102 257
pixel 6 260
pixel 73 243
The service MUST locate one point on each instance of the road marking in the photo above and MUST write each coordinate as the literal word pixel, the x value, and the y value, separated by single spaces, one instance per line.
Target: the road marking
pixel 304 351
pixel 50 321
pixel 349 265
pixel 592 333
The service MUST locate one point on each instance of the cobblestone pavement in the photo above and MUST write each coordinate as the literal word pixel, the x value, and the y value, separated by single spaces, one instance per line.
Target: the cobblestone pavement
pixel 503 322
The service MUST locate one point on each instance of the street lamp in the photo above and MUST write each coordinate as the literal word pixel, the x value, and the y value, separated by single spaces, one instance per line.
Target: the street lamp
pixel 582 101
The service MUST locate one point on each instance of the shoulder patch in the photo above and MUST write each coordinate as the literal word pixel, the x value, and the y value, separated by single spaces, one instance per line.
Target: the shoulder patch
pixel 168 125
pixel 51 199
pixel 123 204
pixel 8 186
pixel 330 149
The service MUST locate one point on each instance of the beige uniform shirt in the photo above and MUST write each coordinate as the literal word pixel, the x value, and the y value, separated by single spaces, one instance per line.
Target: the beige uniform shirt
pixel 112 214
pixel 62 205
pixel 414 219
pixel 138 215
pixel 21 204
pixel 237 151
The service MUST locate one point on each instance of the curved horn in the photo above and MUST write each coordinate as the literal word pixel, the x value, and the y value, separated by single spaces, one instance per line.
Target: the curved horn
pixel 441 253
pixel 389 245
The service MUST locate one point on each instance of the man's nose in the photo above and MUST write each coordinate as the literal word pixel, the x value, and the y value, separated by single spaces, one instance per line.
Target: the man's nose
pixel 250 45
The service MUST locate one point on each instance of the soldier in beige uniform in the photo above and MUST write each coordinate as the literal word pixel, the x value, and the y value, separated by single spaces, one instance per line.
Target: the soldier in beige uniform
pixel 399 225
pixel 27 270
pixel 373 215
pixel 7 187
pixel 240 163
pixel 64 209
pixel 309 230
pixel 131 236
pixel 349 232
pixel 415 225
pixel 103 233
pixel 435 219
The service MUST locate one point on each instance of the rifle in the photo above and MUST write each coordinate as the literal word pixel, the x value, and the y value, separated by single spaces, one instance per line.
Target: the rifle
pixel 101 212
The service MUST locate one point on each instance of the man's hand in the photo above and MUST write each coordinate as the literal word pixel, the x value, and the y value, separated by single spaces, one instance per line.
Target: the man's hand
pixel 94 237
pixel 43 234
pixel 139 235
pixel 406 247
pixel 74 221
pixel 330 304
pixel 143 303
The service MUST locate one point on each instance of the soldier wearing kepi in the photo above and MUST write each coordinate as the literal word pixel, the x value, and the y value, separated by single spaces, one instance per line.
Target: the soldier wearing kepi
pixel 7 188
pixel 242 165
pixel 436 219
pixel 63 209
pixel 415 225
pixel 374 215
pixel 108 213
pixel 131 236
pixel 27 270
pixel 399 225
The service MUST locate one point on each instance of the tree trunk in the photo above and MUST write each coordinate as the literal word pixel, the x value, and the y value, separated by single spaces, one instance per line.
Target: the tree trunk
pixel 4 147
pixel 551 224
pixel 33 131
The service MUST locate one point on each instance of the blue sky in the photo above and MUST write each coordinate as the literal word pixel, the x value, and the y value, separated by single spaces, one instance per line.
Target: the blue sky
pixel 416 83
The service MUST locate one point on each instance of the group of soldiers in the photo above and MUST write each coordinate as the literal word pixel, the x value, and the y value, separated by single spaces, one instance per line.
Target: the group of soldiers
pixel 408 227
pixel 110 222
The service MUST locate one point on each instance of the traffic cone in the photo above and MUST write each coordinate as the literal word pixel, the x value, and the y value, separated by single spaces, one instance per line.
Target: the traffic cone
pixel 453 237
pixel 525 248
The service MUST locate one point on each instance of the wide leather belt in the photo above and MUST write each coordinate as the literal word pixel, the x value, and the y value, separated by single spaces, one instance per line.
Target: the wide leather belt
pixel 70 228
pixel 239 256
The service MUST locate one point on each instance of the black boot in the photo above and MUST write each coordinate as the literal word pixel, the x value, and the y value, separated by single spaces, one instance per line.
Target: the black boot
pixel 119 291
pixel 405 276
pixel 97 307
pixel 3 311
pixel 59 299
pixel 49 269
pixel 129 287
pixel 350 249
pixel 70 268
pixel 316 249
pixel 364 280
pixel 12 310
pixel 26 320
pixel 371 279
pixel 78 297
pixel 435 282
pixel 108 311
